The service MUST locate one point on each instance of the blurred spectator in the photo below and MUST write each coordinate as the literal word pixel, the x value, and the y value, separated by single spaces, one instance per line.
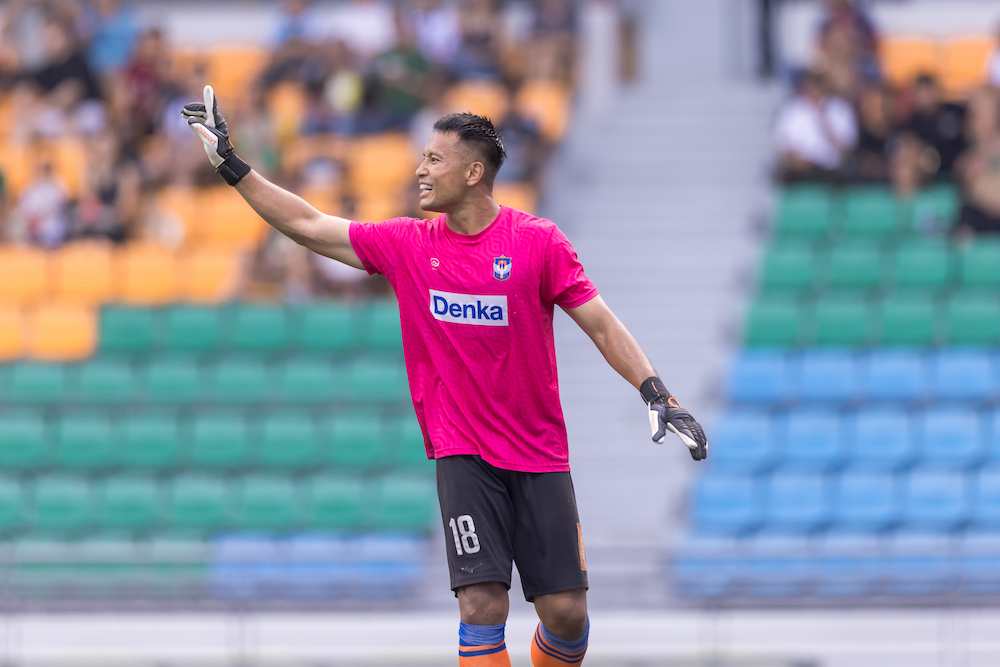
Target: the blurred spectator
pixel 109 202
pixel 978 169
pixel 848 47
pixel 813 132
pixel 368 27
pixel 525 148
pixel 70 93
pixel 436 29
pixel 145 81
pixel 297 23
pixel 993 61
pixel 39 217
pixel 114 30
pixel 551 49
pixel 937 123
pixel 3 207
pixel 479 49
pixel 293 41
pixel 907 164
pixel 21 38
pixel 396 86
pixel 875 128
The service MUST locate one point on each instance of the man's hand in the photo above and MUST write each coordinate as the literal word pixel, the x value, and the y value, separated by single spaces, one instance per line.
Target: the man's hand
pixel 213 131
pixel 666 414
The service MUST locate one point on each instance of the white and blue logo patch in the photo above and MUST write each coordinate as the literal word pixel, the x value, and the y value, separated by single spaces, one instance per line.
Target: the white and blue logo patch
pixel 488 311
pixel 501 267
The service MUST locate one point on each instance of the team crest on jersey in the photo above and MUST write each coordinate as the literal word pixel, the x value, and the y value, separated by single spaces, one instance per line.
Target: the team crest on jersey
pixel 501 267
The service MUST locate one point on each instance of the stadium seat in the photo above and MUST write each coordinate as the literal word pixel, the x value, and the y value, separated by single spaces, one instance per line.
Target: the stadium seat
pixel 788 269
pixel 979 563
pixel 286 106
pixel 354 441
pixel 840 321
pixel 547 103
pixel 13 332
pixel 178 566
pixel 62 504
pixel 854 267
pixel 826 376
pixel 993 436
pixel 266 503
pixel 796 502
pixel 774 322
pixel 880 439
pixel 258 329
pixel 239 381
pixel 934 500
pixel 12 505
pixel 311 380
pixel 779 565
pixel 198 504
pixel 743 440
pixel 380 163
pixel 377 380
pixel 410 452
pixel 129 503
pixel 173 379
pixel 906 320
pixel 25 442
pixel 892 375
pixel 973 319
pixel 383 332
pixel 759 376
pixel 404 502
pixel 83 273
pixel 872 213
pixel 147 275
pixel 242 565
pixel 865 502
pixel 804 212
pixel 481 96
pixel 522 196
pixel 726 504
pixel 963 375
pixel 85 442
pixel 24 275
pixel 963 64
pixel 288 441
pixel 919 563
pixel 935 207
pixel 980 265
pixel 950 438
pixel 150 441
pixel 105 381
pixel 922 264
pixel 208 275
pixel 62 332
pixel 219 441
pixel 33 382
pixel 986 498
pixel 326 327
pixel 226 221
pixel 335 503
pixel 904 58
pixel 193 329
pixel 233 69
pixel 812 441
pixel 131 330
pixel 850 564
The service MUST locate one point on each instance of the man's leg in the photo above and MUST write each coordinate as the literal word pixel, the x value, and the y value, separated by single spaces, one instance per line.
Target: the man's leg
pixel 483 609
pixel 562 635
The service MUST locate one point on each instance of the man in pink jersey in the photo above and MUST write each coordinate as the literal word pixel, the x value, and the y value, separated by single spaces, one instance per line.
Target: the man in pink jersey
pixel 477 288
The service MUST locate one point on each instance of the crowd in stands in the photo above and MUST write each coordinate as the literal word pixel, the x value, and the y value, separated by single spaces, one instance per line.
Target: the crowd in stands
pixel 337 108
pixel 905 115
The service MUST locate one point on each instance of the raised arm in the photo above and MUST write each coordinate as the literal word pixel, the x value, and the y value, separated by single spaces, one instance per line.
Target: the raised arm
pixel 288 213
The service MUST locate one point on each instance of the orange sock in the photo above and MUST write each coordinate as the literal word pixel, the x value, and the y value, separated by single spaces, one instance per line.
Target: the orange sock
pixel 482 646
pixel 547 650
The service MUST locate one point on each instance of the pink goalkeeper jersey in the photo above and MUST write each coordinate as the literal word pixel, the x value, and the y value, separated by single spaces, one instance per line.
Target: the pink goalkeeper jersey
pixel 476 313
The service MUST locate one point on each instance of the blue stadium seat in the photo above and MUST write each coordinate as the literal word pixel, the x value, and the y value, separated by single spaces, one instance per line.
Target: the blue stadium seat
pixel 708 566
pixel 727 504
pixel 239 566
pixel 893 375
pixel 796 503
pixel 964 375
pixel 934 500
pixel 759 376
pixel 979 563
pixel 828 376
pixel 986 498
pixel 317 566
pixel 850 565
pixel 993 437
pixel 950 438
pixel 866 502
pixel 880 439
pixel 742 440
pixel 811 440
pixel 779 566
pixel 920 564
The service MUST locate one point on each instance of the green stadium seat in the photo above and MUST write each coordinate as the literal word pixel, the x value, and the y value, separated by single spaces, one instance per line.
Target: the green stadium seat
pixel 804 212
pixel 922 264
pixel 85 442
pixel 62 504
pixel 311 380
pixel 37 383
pixel 105 381
pixel 907 319
pixel 129 503
pixel 239 381
pixel 267 503
pixel 973 319
pixel 193 329
pixel 404 503
pixel 219 441
pixel 840 321
pixel 150 442
pixel 383 330
pixel 980 265
pixel 409 444
pixel 173 380
pixel 789 268
pixel 24 442
pixel 354 441
pixel 288 441
pixel 125 329
pixel 39 568
pixel 774 321
pixel 175 566
pixel 326 327
pixel 378 380
pixel 198 504
pixel 872 213
pixel 105 567
pixel 12 506
pixel 935 208
pixel 258 329
pixel 335 503
pixel 854 266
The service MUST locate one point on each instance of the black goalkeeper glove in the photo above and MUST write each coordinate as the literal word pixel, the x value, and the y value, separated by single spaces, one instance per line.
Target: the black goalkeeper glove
pixel 666 414
pixel 213 131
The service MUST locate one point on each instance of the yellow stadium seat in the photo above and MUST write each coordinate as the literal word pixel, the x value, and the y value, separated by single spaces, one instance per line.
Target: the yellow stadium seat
pixel 302 150
pixel 548 104
pixel 327 200
pixel 62 332
pixel 380 164
pixel 6 114
pixel 209 275
pixel 17 168
pixel 82 273
pixel 23 275
pixel 146 274
pixel 905 58
pixel 12 334
pixel 373 208
pixel 233 69
pixel 286 104
pixel 964 64
pixel 69 161
pixel 180 203
pixel 224 219
pixel 522 196
pixel 485 98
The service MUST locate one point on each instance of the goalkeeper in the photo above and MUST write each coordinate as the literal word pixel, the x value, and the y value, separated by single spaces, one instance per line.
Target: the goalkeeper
pixel 476 288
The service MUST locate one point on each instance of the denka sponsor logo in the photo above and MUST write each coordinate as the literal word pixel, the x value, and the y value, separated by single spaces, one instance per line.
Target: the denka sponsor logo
pixel 489 310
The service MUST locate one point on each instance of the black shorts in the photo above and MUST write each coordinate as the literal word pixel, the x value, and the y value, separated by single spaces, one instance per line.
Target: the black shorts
pixel 493 517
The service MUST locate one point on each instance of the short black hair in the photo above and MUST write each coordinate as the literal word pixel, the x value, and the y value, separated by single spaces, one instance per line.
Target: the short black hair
pixel 479 132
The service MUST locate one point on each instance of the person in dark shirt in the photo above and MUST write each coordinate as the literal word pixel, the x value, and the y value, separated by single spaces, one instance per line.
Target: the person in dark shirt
pixel 65 71
pixel 937 123
pixel 875 130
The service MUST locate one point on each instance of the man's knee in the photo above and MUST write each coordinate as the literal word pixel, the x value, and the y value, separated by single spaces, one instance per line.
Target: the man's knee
pixel 483 604
pixel 564 613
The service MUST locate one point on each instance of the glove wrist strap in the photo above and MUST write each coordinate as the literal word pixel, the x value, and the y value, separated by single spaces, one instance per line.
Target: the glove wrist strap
pixel 654 391
pixel 233 169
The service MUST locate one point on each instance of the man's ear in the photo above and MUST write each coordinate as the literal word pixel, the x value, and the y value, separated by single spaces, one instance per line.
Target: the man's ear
pixel 474 173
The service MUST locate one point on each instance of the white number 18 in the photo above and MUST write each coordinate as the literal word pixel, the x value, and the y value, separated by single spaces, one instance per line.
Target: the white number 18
pixel 464 531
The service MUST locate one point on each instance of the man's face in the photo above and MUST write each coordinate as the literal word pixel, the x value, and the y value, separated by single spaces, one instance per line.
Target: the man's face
pixel 443 175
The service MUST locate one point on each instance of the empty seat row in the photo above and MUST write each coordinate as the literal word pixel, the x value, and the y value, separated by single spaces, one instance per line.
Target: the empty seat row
pixel 926 499
pixel 869 439
pixel 63 505
pixel 182 380
pixel 820 375
pixel 288 440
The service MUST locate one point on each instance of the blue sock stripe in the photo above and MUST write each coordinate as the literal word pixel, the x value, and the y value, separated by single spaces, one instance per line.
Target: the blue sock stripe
pixel 568 646
pixel 480 635
pixel 465 653
pixel 557 653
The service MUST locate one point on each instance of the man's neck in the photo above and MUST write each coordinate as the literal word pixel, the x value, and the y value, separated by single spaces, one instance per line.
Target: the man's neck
pixel 472 217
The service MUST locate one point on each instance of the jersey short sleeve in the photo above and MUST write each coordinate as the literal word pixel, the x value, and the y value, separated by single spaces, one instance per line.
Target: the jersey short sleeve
pixel 377 243
pixel 563 281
